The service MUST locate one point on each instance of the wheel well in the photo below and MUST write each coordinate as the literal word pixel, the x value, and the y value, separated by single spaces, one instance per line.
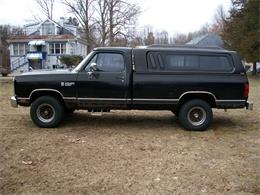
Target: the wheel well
pixel 206 97
pixel 38 94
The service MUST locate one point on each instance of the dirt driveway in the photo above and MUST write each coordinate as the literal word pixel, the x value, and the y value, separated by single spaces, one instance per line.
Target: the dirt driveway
pixel 129 152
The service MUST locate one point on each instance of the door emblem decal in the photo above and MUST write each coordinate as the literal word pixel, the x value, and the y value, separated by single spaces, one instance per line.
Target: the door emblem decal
pixel 67 84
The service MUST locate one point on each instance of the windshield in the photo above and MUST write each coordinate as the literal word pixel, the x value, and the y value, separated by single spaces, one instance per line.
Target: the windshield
pixel 83 62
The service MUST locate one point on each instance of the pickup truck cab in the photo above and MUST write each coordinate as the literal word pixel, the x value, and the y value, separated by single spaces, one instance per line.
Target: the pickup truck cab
pixel 185 80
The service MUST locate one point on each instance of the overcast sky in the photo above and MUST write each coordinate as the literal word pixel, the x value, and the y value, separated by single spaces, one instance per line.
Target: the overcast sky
pixel 174 16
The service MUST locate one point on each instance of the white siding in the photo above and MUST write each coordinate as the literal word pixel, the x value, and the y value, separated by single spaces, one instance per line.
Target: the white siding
pixel 11 49
pixel 76 48
pixel 51 60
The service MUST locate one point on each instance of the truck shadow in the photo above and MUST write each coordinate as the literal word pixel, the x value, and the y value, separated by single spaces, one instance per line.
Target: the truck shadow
pixel 117 121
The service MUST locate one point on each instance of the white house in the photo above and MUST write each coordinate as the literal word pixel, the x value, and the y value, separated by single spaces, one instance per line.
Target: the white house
pixel 43 44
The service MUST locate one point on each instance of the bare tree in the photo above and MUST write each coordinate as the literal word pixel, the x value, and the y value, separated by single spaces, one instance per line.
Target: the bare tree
pixel 121 16
pixel 219 20
pixel 83 10
pixel 102 20
pixel 136 41
pixel 105 22
pixel 115 20
pixel 162 37
pixel 181 39
pixel 6 32
pixel 149 40
pixel 46 7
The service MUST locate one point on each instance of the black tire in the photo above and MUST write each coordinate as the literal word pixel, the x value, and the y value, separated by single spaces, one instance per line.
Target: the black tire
pixel 195 115
pixel 47 112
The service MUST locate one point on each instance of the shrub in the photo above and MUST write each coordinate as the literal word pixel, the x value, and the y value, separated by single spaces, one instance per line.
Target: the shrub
pixel 70 61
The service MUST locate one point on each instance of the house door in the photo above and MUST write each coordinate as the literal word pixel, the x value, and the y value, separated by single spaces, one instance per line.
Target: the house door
pixel 35 63
pixel 39 48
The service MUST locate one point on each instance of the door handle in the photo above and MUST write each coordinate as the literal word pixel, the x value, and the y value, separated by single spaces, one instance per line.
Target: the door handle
pixel 121 77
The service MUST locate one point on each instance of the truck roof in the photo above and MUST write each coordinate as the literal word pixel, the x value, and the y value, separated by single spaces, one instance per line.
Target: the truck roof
pixel 168 48
pixel 113 48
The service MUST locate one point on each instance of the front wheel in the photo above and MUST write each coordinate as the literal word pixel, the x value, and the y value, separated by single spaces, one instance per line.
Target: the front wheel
pixel 47 112
pixel 195 115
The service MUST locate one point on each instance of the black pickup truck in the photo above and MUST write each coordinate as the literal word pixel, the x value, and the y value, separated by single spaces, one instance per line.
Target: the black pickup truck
pixel 185 80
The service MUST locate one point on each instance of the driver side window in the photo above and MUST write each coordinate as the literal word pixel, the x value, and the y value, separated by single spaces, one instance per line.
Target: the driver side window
pixel 108 62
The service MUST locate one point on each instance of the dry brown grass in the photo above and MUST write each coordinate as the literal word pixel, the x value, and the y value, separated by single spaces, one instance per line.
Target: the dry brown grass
pixel 129 152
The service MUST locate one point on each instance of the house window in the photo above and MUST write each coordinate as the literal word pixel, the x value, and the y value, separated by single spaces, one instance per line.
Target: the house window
pixel 51 49
pixel 16 49
pixel 63 48
pixel 48 28
pixel 20 49
pixel 57 48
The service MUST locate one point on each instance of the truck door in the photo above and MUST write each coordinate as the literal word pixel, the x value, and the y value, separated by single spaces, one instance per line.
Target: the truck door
pixel 105 84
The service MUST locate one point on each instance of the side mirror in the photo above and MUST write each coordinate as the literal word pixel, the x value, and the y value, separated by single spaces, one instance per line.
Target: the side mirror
pixel 93 67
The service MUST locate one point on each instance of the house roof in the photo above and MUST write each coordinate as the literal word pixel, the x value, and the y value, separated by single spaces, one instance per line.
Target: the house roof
pixel 64 29
pixel 48 38
pixel 196 40
pixel 32 24
pixel 210 39
pixel 25 38
pixel 50 20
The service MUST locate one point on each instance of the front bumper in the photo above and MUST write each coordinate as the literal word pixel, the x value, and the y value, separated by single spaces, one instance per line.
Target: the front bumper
pixel 249 105
pixel 13 102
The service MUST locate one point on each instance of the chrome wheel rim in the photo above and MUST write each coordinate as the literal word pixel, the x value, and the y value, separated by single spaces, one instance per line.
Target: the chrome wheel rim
pixel 196 116
pixel 45 113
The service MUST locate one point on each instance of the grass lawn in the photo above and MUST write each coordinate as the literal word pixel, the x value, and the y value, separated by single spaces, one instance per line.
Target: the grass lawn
pixel 129 152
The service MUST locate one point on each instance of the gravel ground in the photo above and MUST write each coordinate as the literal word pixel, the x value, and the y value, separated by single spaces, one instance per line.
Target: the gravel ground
pixel 129 152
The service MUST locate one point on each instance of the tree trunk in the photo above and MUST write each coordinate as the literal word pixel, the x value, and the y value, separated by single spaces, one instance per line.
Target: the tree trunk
pixel 111 29
pixel 89 45
pixel 103 30
pixel 111 23
pixel 254 69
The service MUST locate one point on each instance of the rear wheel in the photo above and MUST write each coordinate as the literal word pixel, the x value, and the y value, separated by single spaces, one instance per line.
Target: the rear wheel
pixel 47 112
pixel 195 115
